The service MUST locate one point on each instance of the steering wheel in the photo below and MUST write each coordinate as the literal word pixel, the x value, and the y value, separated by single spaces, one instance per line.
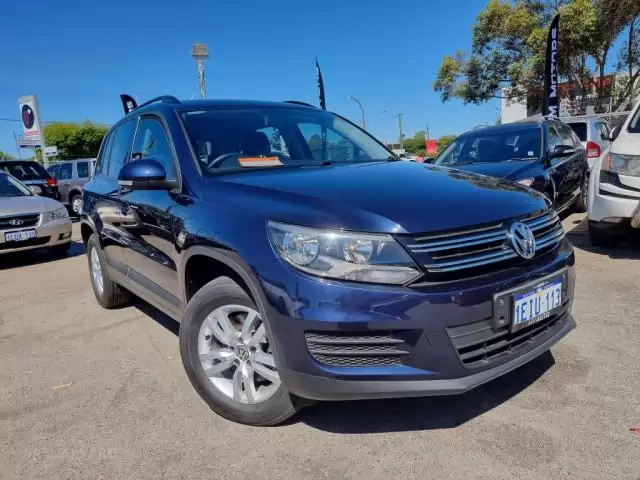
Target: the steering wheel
pixel 213 163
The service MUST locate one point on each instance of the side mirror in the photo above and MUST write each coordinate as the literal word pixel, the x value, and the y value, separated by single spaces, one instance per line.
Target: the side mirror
pixel 614 133
pixel 146 174
pixel 429 160
pixel 562 151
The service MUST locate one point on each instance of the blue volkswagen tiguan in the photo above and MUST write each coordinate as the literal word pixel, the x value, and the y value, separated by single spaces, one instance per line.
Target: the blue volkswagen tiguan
pixel 304 261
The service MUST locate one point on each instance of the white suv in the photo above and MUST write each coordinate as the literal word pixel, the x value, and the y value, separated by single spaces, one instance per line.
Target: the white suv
pixel 614 185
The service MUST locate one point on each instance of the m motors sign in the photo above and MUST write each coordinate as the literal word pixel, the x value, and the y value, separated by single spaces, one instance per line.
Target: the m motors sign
pixel 30 117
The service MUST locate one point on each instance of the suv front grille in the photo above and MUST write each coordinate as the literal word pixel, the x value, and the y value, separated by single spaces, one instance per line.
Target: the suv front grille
pixel 19 221
pixel 469 249
pixel 356 349
pixel 479 345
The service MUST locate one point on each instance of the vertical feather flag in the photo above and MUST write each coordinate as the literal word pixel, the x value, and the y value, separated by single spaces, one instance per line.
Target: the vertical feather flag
pixel 551 93
pixel 323 104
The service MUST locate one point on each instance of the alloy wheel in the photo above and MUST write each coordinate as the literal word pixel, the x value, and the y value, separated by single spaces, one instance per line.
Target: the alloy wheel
pixel 76 205
pixel 96 271
pixel 236 356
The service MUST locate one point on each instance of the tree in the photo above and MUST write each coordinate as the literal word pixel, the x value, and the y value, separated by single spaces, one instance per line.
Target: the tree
pixel 416 143
pixel 75 140
pixel 509 39
pixel 6 156
pixel 444 141
pixel 629 62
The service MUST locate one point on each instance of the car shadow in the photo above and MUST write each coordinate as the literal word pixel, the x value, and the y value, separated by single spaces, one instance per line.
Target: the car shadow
pixel 157 316
pixel 426 413
pixel 628 248
pixel 23 259
pixel 404 414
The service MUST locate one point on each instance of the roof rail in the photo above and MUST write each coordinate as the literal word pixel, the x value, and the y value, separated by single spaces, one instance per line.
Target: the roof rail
pixel 161 98
pixel 297 102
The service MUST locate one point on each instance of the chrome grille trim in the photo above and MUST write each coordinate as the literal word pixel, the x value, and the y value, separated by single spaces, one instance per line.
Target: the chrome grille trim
pixel 455 251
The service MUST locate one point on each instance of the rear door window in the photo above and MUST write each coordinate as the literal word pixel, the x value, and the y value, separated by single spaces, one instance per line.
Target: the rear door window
pixel 66 172
pixel 53 170
pixel 83 169
pixel 120 148
pixel 581 130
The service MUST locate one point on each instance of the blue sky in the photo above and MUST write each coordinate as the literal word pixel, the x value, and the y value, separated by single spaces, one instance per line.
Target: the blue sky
pixel 79 56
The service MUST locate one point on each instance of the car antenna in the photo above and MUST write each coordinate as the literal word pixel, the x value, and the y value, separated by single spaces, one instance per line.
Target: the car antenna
pixel 128 103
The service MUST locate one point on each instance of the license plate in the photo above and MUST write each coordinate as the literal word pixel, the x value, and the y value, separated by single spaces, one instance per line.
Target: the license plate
pixel 19 236
pixel 537 304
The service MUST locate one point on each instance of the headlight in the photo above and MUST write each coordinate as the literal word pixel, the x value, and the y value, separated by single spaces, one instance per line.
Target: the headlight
pixel 359 257
pixel 56 214
pixel 622 164
pixel 527 182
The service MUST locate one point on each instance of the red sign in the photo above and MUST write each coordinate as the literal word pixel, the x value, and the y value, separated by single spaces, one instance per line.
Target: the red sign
pixel 432 147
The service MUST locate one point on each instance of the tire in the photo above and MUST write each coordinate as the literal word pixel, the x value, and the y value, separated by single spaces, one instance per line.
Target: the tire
pixel 75 204
pixel 583 198
pixel 598 238
pixel 109 294
pixel 60 250
pixel 220 390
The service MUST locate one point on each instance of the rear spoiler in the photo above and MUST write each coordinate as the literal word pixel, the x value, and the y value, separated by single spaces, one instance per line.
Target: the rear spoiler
pixel 128 103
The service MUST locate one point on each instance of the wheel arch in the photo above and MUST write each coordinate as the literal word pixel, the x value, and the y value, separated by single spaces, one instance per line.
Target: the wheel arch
pixel 225 263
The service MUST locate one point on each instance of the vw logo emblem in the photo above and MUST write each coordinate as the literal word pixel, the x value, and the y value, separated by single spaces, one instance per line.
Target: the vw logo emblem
pixel 16 222
pixel 242 353
pixel 522 240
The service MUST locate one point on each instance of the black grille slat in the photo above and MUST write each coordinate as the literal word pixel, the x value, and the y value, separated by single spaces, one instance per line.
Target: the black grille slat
pixel 487 247
pixel 355 349
pixel 24 220
pixel 478 345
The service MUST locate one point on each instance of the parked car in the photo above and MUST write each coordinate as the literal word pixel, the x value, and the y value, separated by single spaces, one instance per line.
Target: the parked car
pixel 33 175
pixel 544 154
pixel 29 221
pixel 614 188
pixel 594 134
pixel 71 176
pixel 305 261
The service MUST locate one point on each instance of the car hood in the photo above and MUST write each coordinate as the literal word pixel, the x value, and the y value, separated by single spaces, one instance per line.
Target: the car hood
pixel 626 143
pixel 393 197
pixel 509 169
pixel 27 204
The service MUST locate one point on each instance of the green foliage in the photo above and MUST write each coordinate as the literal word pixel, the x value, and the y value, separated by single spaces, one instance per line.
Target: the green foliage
pixel 75 140
pixel 6 156
pixel 509 43
pixel 444 141
pixel 416 143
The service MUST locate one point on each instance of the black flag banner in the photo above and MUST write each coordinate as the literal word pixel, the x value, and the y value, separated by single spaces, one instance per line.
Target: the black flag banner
pixel 128 103
pixel 551 93
pixel 323 104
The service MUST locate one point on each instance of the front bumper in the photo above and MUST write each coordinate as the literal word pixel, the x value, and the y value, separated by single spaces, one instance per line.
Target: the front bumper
pixel 48 234
pixel 327 389
pixel 308 317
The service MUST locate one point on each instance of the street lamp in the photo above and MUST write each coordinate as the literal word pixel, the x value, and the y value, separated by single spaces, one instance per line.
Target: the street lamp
pixel 364 124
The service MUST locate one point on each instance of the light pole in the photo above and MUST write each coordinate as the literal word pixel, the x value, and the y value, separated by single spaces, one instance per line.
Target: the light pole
pixel 200 53
pixel 364 123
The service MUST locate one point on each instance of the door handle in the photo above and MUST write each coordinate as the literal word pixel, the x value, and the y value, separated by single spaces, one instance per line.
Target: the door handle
pixel 66 184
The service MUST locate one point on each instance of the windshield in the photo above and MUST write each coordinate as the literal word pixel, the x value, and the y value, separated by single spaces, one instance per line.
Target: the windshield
pixel 231 139
pixel 25 170
pixel 481 146
pixel 9 187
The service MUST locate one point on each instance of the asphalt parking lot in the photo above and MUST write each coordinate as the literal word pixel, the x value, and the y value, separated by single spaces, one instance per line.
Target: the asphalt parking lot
pixel 92 394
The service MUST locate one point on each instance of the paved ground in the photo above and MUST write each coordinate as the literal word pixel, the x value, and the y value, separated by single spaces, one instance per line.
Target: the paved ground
pixel 91 394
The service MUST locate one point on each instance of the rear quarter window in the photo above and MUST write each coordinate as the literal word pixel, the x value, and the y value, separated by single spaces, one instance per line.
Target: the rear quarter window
pixel 581 130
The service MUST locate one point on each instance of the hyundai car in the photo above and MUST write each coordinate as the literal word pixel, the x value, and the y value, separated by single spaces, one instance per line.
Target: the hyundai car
pixel 31 222
pixel 306 262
